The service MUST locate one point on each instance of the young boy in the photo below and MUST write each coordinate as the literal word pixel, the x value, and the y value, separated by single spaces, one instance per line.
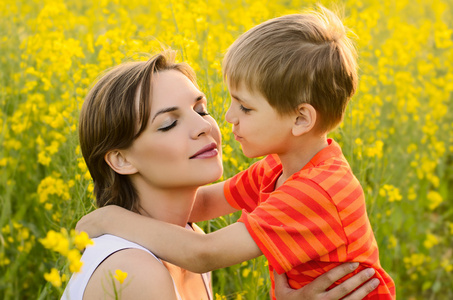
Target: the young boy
pixel 290 79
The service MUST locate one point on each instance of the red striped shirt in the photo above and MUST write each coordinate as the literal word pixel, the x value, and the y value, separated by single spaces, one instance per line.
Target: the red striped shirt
pixel 313 222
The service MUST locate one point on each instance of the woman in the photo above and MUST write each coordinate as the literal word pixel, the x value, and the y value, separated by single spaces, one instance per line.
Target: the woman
pixel 149 144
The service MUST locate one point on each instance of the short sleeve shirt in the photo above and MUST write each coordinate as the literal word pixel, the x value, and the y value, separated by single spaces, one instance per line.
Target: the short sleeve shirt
pixel 313 222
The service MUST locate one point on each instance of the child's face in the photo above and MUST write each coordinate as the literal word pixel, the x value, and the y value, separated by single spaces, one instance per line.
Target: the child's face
pixel 181 146
pixel 257 125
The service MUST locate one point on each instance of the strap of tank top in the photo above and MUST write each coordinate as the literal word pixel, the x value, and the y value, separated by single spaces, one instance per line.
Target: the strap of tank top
pixel 206 277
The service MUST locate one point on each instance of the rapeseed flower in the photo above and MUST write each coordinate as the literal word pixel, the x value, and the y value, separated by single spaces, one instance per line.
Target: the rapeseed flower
pixel 120 276
pixel 53 277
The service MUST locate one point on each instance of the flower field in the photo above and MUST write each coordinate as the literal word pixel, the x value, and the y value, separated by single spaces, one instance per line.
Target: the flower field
pixel 397 133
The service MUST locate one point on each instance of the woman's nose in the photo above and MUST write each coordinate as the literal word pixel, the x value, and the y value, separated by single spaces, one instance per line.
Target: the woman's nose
pixel 203 126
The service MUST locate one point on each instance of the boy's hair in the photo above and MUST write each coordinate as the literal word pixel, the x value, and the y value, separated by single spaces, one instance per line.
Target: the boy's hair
pixel 114 114
pixel 294 59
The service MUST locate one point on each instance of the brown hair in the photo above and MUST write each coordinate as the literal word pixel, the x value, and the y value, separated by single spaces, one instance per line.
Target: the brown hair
pixel 111 119
pixel 294 59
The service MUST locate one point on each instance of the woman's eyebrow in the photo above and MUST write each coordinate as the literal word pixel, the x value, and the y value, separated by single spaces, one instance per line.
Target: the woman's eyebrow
pixel 164 110
pixel 173 108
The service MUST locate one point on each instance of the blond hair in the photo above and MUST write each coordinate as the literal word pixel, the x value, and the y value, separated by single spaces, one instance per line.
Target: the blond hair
pixel 294 59
pixel 111 119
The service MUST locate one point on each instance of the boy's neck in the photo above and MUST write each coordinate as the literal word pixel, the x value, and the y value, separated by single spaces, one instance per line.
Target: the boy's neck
pixel 299 155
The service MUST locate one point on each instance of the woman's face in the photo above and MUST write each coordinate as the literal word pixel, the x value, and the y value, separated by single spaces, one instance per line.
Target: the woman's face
pixel 181 146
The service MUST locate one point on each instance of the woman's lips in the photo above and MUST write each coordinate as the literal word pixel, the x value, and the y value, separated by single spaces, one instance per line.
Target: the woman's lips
pixel 206 152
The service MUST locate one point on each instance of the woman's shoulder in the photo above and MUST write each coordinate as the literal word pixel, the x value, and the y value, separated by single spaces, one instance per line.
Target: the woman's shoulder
pixel 146 277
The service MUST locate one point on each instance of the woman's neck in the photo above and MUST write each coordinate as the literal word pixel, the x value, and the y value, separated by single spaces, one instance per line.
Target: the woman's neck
pixel 172 205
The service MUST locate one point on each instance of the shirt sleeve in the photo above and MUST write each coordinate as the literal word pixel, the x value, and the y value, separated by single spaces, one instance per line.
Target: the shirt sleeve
pixel 296 224
pixel 242 190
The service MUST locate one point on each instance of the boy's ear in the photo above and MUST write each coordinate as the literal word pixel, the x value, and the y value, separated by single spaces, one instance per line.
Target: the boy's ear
pixel 305 119
pixel 118 162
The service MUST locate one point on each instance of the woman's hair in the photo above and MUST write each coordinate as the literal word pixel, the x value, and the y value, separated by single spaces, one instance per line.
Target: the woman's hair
pixel 114 114
pixel 294 59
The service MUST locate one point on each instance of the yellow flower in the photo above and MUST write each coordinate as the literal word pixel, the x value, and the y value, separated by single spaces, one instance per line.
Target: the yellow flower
pixel 411 195
pixel 392 242
pixel 245 272
pixel 431 241
pixel 53 277
pixel 120 276
pixel 219 297
pixel 50 240
pixel 56 241
pixel 447 265
pixel 74 261
pixel 82 240
pixel 435 199
pixel 44 159
pixel 392 193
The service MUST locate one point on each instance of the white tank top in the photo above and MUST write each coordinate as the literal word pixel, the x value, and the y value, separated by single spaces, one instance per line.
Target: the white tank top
pixel 103 247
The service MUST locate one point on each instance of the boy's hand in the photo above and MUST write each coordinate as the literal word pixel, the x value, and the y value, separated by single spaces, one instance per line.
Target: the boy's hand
pixel 316 290
pixel 92 223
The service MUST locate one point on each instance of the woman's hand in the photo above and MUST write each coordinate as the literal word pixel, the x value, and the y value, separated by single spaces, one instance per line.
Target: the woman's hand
pixel 316 290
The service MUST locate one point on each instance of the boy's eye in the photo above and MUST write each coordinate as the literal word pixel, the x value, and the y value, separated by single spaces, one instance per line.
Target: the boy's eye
pixel 167 128
pixel 244 109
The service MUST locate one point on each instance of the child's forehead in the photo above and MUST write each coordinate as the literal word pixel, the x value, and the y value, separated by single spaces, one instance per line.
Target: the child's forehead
pixel 243 91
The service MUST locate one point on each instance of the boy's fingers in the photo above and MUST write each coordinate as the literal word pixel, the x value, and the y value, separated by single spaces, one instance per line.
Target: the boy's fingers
pixel 352 283
pixel 324 281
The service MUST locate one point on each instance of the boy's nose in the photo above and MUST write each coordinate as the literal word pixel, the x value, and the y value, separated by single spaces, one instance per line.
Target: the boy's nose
pixel 229 116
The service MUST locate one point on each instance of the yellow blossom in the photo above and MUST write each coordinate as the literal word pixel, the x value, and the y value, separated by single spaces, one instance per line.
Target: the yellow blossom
pixel 75 264
pixel 53 277
pixel 431 241
pixel 392 242
pixel 82 240
pixel 447 265
pixel 392 193
pixel 245 272
pixel 120 276
pixel 435 199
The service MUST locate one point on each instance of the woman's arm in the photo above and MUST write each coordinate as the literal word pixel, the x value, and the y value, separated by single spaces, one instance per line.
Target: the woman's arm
pixel 317 289
pixel 147 278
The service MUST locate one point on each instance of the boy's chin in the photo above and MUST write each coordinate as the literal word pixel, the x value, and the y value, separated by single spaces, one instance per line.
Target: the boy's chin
pixel 251 154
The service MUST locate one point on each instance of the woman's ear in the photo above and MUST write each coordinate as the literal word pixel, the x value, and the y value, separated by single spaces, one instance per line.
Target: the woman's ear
pixel 305 119
pixel 118 162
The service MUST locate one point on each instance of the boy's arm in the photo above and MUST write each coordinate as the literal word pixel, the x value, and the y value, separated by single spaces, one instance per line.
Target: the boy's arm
pixel 210 203
pixel 190 250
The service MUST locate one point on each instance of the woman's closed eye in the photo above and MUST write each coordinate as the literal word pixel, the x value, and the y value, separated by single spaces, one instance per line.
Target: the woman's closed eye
pixel 168 127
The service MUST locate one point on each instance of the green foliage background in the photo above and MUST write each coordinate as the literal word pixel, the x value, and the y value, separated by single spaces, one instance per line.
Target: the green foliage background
pixel 397 134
